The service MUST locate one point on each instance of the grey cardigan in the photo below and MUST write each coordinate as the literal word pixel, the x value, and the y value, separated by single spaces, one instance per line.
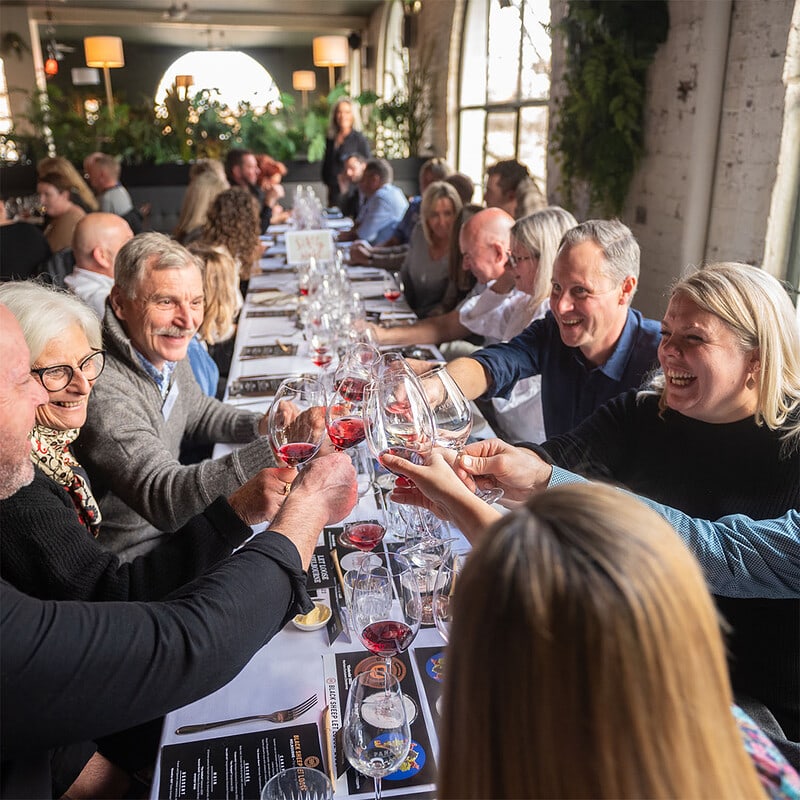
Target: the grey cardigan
pixel 130 447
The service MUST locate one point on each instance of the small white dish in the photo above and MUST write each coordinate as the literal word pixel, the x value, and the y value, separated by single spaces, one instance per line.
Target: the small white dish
pixel 314 620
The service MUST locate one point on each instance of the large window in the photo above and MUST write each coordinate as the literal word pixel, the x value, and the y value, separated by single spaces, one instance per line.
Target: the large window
pixel 504 86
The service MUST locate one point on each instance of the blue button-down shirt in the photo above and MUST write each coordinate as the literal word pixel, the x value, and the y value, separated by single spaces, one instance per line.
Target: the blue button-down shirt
pixel 571 387
pixel 162 378
pixel 381 212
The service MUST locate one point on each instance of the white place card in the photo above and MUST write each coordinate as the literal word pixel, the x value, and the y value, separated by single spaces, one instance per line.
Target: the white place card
pixel 302 245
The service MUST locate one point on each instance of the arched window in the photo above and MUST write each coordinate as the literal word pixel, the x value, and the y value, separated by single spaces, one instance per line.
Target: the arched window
pixel 237 77
pixel 504 86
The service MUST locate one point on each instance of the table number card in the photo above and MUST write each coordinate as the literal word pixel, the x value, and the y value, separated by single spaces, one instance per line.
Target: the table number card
pixel 302 245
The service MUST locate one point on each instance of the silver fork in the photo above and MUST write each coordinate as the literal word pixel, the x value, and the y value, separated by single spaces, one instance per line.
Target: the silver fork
pixel 286 715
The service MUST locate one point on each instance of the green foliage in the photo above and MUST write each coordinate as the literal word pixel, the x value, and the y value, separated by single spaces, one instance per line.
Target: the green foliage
pixel 598 137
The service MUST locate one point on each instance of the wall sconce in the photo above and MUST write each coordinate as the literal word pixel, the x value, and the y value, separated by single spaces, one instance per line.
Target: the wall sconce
pixel 182 84
pixel 305 81
pixel 330 52
pixel 105 52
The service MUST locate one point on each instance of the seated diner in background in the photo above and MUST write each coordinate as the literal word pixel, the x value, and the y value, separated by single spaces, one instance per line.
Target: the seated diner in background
pixel 54 195
pixel 424 273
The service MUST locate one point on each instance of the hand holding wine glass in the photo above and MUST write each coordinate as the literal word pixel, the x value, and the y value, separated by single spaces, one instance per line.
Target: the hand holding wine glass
pixel 377 734
pixel 295 421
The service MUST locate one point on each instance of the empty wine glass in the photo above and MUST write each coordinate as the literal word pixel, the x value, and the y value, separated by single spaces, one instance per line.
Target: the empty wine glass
pixel 426 555
pixel 392 287
pixel 296 420
pixel 386 627
pixel 452 415
pixel 444 590
pixel 377 734
pixel 298 783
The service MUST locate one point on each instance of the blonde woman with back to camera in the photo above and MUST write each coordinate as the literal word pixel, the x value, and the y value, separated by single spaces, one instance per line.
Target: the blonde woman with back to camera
pixel 586 660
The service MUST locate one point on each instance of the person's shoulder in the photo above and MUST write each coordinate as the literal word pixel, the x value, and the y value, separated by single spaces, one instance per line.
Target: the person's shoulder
pixel 647 326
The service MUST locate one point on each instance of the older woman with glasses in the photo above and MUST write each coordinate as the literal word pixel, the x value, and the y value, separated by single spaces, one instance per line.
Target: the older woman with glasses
pixel 48 547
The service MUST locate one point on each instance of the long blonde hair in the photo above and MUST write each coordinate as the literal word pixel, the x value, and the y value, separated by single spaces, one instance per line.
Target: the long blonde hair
pixel 438 190
pixel 64 167
pixel 586 660
pixel 220 292
pixel 758 310
pixel 199 196
pixel 541 232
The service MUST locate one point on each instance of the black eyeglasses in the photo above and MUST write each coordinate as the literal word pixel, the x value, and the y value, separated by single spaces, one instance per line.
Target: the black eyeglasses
pixel 517 260
pixel 56 378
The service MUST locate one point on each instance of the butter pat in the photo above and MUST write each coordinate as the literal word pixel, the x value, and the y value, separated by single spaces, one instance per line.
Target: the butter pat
pixel 315 618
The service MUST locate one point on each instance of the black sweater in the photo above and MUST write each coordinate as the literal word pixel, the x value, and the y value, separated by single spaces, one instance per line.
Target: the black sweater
pixel 74 671
pixel 47 553
pixel 707 471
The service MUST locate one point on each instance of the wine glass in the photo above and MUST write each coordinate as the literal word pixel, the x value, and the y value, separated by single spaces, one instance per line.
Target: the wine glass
pixel 344 420
pixel 377 734
pixel 397 419
pixel 385 627
pixel 296 420
pixel 444 590
pixel 298 783
pixel 392 287
pixel 452 415
pixel 426 555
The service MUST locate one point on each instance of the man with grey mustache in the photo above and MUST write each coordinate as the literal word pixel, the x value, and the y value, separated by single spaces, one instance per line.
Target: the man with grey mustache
pixel 148 402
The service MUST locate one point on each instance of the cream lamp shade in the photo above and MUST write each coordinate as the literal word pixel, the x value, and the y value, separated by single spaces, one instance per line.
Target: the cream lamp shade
pixel 330 52
pixel 105 52
pixel 304 80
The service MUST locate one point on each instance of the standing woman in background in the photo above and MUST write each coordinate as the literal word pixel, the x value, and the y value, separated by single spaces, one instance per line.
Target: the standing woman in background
pixel 344 138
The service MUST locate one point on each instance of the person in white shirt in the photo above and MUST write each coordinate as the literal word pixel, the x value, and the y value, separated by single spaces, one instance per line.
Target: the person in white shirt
pixel 95 244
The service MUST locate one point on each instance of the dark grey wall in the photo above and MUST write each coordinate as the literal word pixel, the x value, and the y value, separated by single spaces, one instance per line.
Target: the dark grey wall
pixel 145 64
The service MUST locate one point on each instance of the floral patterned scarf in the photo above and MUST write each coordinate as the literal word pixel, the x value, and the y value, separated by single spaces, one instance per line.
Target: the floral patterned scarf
pixel 50 452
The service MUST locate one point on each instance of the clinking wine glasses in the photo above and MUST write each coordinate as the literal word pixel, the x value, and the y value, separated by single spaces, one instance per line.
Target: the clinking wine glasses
pixel 296 420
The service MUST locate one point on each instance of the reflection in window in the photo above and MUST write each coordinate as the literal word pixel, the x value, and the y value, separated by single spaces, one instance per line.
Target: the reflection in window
pixel 505 86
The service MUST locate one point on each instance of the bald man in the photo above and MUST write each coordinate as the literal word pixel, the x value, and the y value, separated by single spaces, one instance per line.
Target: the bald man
pixel 95 244
pixel 485 241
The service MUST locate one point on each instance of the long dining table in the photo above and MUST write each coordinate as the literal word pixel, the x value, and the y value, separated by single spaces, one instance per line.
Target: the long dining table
pixel 235 761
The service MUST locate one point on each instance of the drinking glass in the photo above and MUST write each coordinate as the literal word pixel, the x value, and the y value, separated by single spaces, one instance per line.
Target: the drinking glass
pixel 452 415
pixel 377 734
pixel 296 420
pixel 444 590
pixel 426 556
pixel 385 627
pixel 298 783
pixel 392 287
pixel 344 420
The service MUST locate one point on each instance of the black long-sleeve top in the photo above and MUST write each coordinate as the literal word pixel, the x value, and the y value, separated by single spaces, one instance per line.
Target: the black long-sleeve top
pixel 707 471
pixel 45 551
pixel 73 671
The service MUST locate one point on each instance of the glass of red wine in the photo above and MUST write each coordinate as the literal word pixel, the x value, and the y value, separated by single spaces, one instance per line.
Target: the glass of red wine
pixel 296 420
pixel 363 534
pixel 387 609
pixel 392 287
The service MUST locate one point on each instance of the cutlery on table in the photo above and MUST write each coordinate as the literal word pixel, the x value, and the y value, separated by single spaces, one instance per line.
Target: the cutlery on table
pixel 285 715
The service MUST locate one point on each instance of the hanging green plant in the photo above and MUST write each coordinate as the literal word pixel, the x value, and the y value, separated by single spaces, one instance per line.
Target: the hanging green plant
pixel 598 137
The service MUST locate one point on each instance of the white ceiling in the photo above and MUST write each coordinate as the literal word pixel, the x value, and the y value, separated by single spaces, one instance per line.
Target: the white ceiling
pixel 223 23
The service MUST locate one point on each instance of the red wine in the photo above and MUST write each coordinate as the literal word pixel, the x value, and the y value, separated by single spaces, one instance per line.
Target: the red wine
pixel 304 291
pixel 387 638
pixel 296 453
pixel 391 295
pixel 352 389
pixel 321 358
pixel 346 432
pixel 365 535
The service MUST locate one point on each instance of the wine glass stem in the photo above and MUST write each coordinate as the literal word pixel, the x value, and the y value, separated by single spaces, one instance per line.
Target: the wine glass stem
pixel 377 782
pixel 387 673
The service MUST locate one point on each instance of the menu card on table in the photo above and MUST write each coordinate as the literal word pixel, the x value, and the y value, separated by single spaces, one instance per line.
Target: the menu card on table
pixel 236 766
pixel 418 772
